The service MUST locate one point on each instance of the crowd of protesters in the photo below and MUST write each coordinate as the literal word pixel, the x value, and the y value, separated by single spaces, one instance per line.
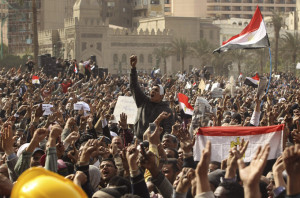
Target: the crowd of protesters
pixel 74 153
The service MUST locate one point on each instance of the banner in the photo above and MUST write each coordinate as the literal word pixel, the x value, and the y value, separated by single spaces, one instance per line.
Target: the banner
pixel 224 138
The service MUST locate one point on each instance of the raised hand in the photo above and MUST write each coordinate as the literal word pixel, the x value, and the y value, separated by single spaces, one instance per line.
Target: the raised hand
pixel 251 174
pixel 123 121
pixel 184 180
pixel 132 156
pixel 202 170
pixel 133 61
pixel 291 159
pixel 7 140
pixel 88 149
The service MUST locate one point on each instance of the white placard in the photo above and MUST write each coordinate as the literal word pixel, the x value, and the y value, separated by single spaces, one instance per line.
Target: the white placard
pixel 126 104
pixel 215 85
pixel 47 109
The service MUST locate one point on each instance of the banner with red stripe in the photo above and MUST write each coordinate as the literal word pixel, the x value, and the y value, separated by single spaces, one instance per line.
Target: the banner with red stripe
pixel 224 138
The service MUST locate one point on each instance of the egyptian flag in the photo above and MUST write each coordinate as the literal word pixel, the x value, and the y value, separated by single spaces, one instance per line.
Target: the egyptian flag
pixel 252 81
pixel 254 36
pixel 75 69
pixel 35 80
pixel 184 104
pixel 224 138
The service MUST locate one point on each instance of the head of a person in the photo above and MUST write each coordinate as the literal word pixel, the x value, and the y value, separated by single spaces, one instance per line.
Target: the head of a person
pixel 36 156
pixel 229 190
pixel 169 141
pixel 271 184
pixel 171 153
pixel 170 170
pixel 236 119
pixel 118 141
pixel 157 94
pixel 214 166
pixel 108 169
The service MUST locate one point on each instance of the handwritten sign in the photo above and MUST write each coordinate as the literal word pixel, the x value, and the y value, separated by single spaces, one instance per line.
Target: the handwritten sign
pixel 126 105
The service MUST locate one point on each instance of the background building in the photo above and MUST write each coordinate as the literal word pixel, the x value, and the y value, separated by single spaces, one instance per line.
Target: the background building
pixel 225 9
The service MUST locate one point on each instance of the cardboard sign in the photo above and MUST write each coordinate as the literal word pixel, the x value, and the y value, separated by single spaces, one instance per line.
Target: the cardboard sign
pixel 263 81
pixel 82 105
pixel 217 93
pixel 47 109
pixel 126 104
pixel 202 86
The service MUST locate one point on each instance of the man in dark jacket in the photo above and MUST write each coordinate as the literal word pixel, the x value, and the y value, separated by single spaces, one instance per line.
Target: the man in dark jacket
pixel 148 108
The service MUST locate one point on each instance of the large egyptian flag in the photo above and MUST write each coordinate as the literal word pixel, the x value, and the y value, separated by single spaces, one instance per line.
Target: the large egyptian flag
pixel 254 36
pixel 224 138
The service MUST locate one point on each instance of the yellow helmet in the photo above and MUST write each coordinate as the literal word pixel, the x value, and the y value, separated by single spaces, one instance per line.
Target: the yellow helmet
pixel 39 182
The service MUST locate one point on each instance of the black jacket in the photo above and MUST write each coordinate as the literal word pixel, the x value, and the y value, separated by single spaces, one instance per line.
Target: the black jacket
pixel 147 111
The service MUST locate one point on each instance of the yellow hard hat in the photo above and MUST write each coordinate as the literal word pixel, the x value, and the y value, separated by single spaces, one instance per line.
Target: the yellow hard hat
pixel 39 182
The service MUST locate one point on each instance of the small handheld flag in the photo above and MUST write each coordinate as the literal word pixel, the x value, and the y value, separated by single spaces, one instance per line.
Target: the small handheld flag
pixel 254 36
pixel 35 80
pixel 184 104
pixel 75 69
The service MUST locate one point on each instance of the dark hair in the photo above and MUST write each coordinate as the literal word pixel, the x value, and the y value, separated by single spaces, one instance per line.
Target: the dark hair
pixel 218 164
pixel 109 160
pixel 175 152
pixel 173 162
pixel 174 139
pixel 118 181
pixel 234 190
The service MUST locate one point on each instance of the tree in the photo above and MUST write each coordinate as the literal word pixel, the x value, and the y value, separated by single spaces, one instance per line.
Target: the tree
pixel 180 48
pixel 238 55
pixel 162 53
pixel 291 46
pixel 278 22
pixel 221 63
pixel 202 49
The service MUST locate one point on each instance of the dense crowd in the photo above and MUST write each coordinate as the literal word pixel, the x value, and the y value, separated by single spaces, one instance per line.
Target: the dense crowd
pixel 73 152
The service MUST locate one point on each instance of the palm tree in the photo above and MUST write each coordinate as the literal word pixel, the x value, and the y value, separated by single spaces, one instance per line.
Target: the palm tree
pixel 180 48
pixel 291 46
pixel 162 53
pixel 202 49
pixel 278 22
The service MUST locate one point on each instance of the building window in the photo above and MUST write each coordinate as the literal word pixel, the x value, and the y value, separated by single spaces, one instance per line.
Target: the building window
pixel 201 34
pixel 150 58
pixel 141 58
pixel 99 46
pixel 83 46
pixel 211 34
pixel 124 58
pixel 154 1
pixel 115 58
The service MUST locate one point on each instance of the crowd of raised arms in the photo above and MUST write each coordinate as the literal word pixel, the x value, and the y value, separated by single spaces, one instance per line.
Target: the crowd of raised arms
pixel 73 152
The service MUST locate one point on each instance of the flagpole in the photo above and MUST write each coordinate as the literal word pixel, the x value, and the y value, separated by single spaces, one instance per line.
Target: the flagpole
pixel 270 70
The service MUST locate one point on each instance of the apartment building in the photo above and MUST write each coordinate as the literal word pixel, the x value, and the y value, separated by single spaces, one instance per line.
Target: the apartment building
pixel 225 9
pixel 16 21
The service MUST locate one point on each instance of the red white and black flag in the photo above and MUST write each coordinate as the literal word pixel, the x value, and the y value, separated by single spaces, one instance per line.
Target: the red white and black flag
pixel 252 81
pixel 254 36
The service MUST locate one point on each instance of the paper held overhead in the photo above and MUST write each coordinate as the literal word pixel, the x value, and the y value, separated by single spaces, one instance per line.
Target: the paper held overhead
pixel 298 66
